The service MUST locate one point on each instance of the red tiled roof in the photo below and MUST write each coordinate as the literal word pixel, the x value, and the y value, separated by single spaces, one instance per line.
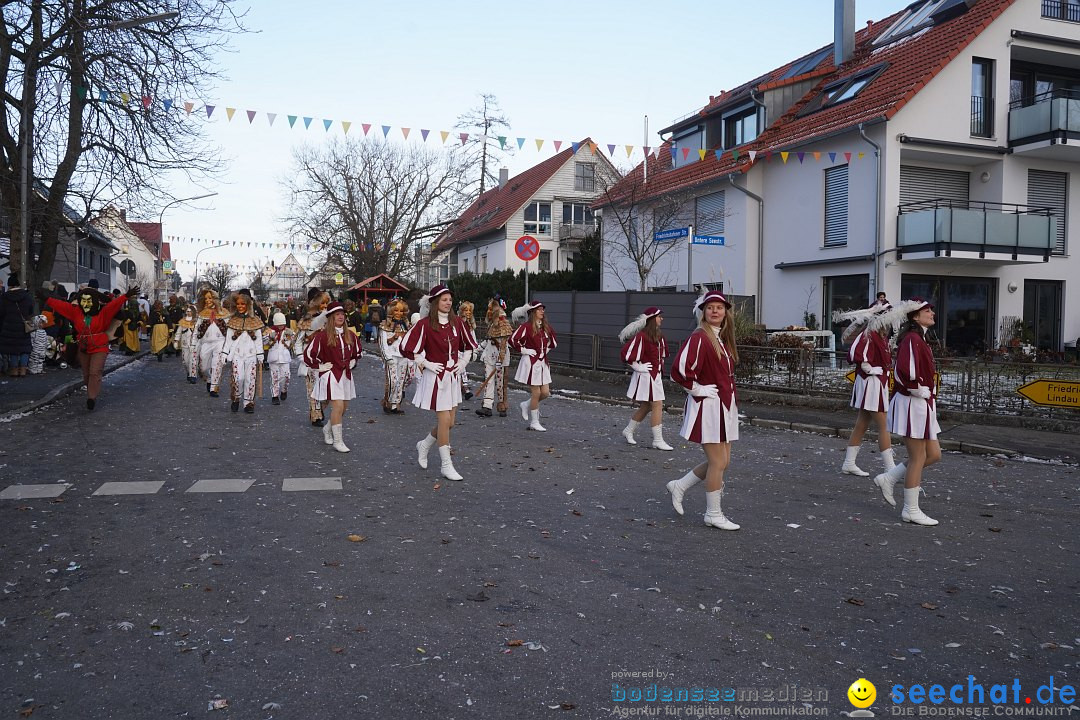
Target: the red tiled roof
pixel 149 233
pixel 384 282
pixel 491 210
pixel 166 251
pixel 911 63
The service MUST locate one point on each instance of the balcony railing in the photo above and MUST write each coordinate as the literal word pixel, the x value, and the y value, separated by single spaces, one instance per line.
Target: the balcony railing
pixel 575 231
pixel 982 116
pixel 1047 116
pixel 1068 10
pixel 991 230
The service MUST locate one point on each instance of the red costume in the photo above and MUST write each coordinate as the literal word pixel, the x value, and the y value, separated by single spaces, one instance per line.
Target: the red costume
pixel 445 346
pixel 870 391
pixel 90 329
pixel 534 369
pixel 910 415
pixel 707 419
pixel 643 349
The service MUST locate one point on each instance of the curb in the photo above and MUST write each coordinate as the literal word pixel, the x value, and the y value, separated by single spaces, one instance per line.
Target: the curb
pixel 66 389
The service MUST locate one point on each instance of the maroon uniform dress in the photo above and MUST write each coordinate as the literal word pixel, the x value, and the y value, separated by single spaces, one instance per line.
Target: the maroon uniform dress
pixel 870 392
pixel 533 369
pixel 912 416
pixel 443 345
pixel 707 419
pixel 646 387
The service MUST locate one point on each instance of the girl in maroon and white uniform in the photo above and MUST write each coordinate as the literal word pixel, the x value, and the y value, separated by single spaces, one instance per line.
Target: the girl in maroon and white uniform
pixel 644 351
pixel 441 344
pixel 332 353
pixel 535 340
pixel 869 353
pixel 912 412
pixel 705 366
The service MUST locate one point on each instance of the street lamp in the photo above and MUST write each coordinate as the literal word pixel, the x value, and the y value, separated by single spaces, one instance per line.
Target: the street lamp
pixel 195 280
pixel 161 227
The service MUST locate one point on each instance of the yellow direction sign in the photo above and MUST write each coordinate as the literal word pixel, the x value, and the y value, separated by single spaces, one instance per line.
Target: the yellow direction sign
pixel 850 377
pixel 1055 393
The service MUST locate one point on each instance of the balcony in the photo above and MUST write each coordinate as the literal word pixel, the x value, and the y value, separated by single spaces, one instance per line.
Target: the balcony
pixel 1067 10
pixel 1040 122
pixel 994 232
pixel 575 233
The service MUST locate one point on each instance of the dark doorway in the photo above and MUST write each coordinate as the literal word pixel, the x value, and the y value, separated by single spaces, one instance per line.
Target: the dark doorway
pixel 1042 313
pixel 964 308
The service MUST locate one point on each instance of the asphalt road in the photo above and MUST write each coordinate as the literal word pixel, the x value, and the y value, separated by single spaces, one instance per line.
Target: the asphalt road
pixel 525 591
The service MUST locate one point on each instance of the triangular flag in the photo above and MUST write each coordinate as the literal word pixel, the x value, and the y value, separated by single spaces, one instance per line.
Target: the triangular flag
pixel 103 95
pixel 646 150
pixel 464 137
pixel 800 155
pixel 832 157
pixel 147 101
pixel 502 142
pixel 629 150
pixel 292 120
pixel 385 130
pixel 345 125
pixel 862 155
pixel 701 154
pixel 611 150
pixel 445 135
pixel 188 107
pixel 847 156
pixel 424 134
pixel 817 155
pixel 768 155
pixel 230 112
pixel 124 97
pixel 539 143
pixel 307 122
pixel 575 146
pixel 719 154
pixel 210 110
pixel 326 124
pixel 520 142
pixel 592 147
pixel 405 132
pixel 685 153
pixel 784 155
pixel 271 117
pixel 735 155
pixel 558 144
pixel 752 154
pixel 167 104
pixel 251 116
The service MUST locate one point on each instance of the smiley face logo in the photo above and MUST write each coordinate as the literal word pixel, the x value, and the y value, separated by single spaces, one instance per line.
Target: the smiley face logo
pixel 862 693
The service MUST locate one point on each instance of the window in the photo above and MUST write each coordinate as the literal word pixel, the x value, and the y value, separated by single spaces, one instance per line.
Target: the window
pixel 801 67
pixel 544 261
pixel 90 259
pixel 915 18
pixel 836 206
pixel 844 292
pixel 538 218
pixel 1068 10
pixel 843 90
pixel 685 148
pixel 982 97
pixel 483 263
pixel 103 264
pixel 741 127
pixel 1048 189
pixel 585 177
pixel 577 214
pixel 709 214
pixel 82 256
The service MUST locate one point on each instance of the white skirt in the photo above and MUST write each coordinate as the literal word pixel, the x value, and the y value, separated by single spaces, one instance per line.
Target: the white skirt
pixel 645 388
pixel 435 394
pixel 706 420
pixel 531 371
pixel 913 417
pixel 327 387
pixel 870 393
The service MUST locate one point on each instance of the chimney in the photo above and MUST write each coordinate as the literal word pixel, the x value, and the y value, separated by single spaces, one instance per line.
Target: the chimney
pixel 504 177
pixel 123 214
pixel 843 31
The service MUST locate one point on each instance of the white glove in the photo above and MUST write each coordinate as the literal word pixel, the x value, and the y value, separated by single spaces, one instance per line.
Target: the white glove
pixel 326 367
pixel 528 351
pixel 352 364
pixel 704 391
pixel 920 392
pixel 641 367
pixel 465 358
pixel 866 368
pixel 432 366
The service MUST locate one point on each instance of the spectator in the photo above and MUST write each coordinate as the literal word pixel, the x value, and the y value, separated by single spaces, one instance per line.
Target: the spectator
pixel 353 317
pixel 16 309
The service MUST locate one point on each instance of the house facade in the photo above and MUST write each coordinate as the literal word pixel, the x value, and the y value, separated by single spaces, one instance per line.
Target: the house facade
pixel 134 262
pixel 551 201
pixel 933 153
pixel 285 280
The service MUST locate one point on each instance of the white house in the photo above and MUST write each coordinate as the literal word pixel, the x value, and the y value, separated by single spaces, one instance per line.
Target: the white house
pixel 550 201
pixel 134 263
pixel 285 280
pixel 933 153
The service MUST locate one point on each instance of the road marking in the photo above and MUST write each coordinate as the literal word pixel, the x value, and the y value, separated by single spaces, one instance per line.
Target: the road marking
pixel 298 484
pixel 220 486
pixel 145 487
pixel 28 492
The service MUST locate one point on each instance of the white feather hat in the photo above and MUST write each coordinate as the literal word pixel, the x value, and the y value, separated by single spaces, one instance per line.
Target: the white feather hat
pixel 705 299
pixel 858 319
pixel 897 315
pixel 425 301
pixel 521 314
pixel 638 324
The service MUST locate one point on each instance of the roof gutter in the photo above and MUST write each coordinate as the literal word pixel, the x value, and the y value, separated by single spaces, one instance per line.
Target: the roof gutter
pixel 875 280
pixel 760 245
pixel 930 142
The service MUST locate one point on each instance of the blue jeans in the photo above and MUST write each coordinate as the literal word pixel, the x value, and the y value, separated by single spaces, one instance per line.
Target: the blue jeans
pixel 18 361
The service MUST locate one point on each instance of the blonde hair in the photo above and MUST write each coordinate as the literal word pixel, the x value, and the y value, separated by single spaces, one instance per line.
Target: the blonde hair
pixel 331 337
pixel 538 325
pixel 433 311
pixel 727 334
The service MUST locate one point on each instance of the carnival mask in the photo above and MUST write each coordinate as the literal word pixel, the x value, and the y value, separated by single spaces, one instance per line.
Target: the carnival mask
pixel 242 305
pixel 86 302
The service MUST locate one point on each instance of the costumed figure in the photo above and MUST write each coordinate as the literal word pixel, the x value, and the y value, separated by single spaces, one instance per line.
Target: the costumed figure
pixel 278 340
pixel 465 312
pixel 912 410
pixel 159 329
pixel 869 353
pixel 91 319
pixel 644 350
pixel 398 368
pixel 209 339
pixel 535 340
pixel 705 366
pixel 39 344
pixel 441 344
pixel 312 323
pixel 132 320
pixel 330 357
pixel 495 352
pixel 184 337
pixel 243 350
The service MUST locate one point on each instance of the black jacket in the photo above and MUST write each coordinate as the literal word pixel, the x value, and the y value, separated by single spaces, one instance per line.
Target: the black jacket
pixel 16 305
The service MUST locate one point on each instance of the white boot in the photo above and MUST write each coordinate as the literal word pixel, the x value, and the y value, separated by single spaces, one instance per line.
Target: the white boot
pixel 422 449
pixel 678 488
pixel 714 515
pixel 447 469
pixel 658 438
pixel 849 467
pixel 628 431
pixel 525 410
pixel 911 512
pixel 886 481
pixel 328 433
pixel 534 421
pixel 889 459
pixel 339 444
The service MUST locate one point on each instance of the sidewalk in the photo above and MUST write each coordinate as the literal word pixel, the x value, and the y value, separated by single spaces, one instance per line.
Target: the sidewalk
pixel 18 395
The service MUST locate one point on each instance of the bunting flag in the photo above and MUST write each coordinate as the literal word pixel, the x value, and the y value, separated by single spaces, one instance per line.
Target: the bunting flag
pixel 520 142
pixel 539 144
pixel 188 107
pixel 784 156
pixel 210 110
pixel 103 95
pixel 307 123
pixel 405 132
pixel 701 154
pixel 752 154
pixel 345 125
pixel 719 154
pixel 464 137
pixel 445 135
pixel 735 155
pixel 558 145
pixel 147 101
pixel 800 155
pixel 502 142
pixel 424 134
pixel 271 117
pixel 646 150
pixel 366 126
pixel 575 146
pixel 327 124
pixel 629 149
pixel 230 112
pixel 832 157
pixel 385 131
pixel 817 155
pixel 685 153
pixel 124 97
pixel 847 156
pixel 251 116
pixel 168 105
pixel 292 121
pixel 862 155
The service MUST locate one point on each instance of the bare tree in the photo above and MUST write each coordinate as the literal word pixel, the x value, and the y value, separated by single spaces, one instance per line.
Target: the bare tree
pixel 367 204
pixel 221 278
pixel 68 121
pixel 485 145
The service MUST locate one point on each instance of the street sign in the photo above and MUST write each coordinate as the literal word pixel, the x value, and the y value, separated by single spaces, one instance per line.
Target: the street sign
pixel 670 234
pixel 339 279
pixel 166 265
pixel 527 248
pixel 708 240
pixel 1055 393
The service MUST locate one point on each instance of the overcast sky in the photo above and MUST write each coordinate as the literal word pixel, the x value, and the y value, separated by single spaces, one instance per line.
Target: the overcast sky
pixel 560 70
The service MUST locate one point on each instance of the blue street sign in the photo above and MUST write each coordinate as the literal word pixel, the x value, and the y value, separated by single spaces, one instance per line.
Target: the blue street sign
pixel 708 240
pixel 670 234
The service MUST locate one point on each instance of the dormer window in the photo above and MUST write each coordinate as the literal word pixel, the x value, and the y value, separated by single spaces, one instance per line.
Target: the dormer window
pixel 843 90
pixel 920 15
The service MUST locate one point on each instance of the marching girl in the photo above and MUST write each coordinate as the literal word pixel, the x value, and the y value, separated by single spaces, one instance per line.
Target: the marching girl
pixel 280 339
pixel 644 351
pixel 441 344
pixel 331 355
pixel 310 324
pixel 869 353
pixel 535 340
pixel 912 412
pixel 705 366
